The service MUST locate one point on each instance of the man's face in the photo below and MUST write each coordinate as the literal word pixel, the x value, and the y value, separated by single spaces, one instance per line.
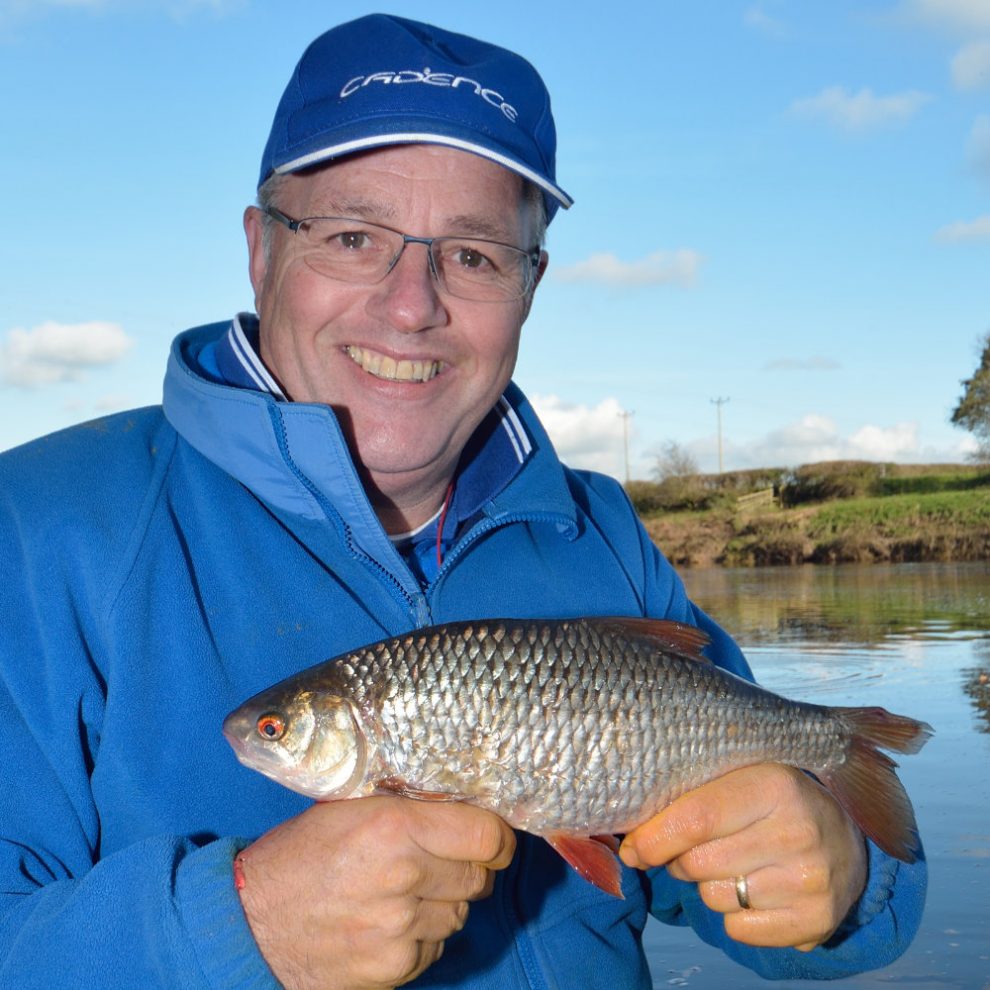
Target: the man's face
pixel 323 340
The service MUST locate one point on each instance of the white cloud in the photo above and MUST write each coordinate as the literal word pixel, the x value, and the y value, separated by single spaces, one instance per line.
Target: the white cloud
pixel 678 267
pixel 884 443
pixel 971 65
pixel 860 111
pixel 757 17
pixel 954 15
pixel 590 437
pixel 978 146
pixel 817 438
pixel 965 230
pixel 58 352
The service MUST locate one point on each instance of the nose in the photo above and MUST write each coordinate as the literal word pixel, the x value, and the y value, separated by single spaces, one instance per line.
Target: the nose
pixel 408 297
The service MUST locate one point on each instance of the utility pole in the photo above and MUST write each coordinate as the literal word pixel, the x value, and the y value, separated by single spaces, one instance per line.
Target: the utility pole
pixel 718 403
pixel 625 437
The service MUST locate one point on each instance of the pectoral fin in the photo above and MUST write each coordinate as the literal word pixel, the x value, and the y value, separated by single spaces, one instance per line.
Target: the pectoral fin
pixel 595 857
pixel 395 785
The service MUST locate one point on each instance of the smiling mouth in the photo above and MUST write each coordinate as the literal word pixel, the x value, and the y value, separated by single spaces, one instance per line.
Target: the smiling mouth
pixel 383 366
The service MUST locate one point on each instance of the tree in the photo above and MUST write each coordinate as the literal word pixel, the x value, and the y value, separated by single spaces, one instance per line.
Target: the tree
pixel 680 484
pixel 674 461
pixel 972 412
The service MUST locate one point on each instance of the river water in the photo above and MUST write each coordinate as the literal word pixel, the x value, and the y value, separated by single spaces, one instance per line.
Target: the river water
pixel 914 639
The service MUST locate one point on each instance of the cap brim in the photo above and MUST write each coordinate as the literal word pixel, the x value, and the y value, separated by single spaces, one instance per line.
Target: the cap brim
pixel 337 150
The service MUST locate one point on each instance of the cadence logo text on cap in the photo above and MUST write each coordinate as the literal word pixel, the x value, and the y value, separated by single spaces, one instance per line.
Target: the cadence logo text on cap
pixel 431 78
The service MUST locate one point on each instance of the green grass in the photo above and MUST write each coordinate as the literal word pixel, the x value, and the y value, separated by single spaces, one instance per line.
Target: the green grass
pixel 898 516
pixel 939 525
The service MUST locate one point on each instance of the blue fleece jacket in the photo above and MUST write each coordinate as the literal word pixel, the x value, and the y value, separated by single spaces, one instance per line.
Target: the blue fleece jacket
pixel 159 568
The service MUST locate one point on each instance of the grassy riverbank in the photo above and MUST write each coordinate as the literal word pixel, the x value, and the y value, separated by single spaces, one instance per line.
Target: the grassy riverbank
pixel 836 512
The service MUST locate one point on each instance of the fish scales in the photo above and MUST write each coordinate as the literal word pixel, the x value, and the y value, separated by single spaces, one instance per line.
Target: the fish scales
pixel 582 728
pixel 565 728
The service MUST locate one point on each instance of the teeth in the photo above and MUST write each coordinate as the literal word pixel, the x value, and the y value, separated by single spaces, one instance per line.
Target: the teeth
pixel 382 366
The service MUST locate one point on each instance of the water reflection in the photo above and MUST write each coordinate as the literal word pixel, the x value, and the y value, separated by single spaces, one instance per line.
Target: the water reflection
pixel 976 685
pixel 861 605
pixel 817 632
pixel 914 638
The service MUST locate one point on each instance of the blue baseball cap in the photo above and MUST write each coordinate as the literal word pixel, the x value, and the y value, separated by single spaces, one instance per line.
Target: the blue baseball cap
pixel 382 80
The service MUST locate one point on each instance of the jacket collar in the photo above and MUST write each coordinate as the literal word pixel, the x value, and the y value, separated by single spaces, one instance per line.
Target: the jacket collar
pixel 294 457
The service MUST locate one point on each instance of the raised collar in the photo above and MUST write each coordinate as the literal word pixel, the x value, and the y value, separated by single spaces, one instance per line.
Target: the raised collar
pixel 293 455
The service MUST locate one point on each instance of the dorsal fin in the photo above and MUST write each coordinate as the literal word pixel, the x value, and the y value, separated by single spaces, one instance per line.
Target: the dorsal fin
pixel 663 634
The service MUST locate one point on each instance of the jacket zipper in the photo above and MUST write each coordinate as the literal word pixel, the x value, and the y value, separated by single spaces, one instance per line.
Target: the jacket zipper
pixel 489 524
pixel 415 601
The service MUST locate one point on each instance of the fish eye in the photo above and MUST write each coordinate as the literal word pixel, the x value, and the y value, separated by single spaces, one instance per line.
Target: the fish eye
pixel 271 726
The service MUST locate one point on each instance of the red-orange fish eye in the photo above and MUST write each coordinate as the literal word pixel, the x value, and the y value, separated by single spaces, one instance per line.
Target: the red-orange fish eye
pixel 271 727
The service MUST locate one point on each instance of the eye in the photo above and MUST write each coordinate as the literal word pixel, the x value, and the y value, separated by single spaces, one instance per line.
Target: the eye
pixel 271 726
pixel 468 257
pixel 353 240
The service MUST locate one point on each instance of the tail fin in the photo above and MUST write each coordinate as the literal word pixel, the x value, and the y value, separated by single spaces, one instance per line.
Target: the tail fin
pixel 866 785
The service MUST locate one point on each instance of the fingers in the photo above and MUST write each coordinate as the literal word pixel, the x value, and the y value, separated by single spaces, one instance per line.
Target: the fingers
pixel 368 889
pixel 432 878
pixel 415 919
pixel 770 888
pixel 722 807
pixel 462 832
pixel 784 910
pixel 802 858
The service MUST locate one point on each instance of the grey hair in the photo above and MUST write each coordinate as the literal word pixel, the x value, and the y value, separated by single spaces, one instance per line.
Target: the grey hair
pixel 534 199
pixel 267 194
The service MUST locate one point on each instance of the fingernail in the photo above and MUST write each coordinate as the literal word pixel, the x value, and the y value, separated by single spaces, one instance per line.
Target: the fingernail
pixel 629 856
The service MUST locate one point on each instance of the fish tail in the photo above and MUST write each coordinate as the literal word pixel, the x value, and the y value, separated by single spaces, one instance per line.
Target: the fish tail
pixel 866 785
pixel 885 730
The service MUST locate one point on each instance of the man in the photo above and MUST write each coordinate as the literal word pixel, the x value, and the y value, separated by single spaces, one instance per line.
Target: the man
pixel 351 464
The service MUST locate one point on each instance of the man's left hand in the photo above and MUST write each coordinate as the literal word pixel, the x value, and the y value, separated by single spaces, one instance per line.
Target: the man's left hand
pixel 802 858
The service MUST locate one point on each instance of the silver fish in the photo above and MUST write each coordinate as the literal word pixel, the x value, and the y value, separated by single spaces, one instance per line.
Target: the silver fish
pixel 576 730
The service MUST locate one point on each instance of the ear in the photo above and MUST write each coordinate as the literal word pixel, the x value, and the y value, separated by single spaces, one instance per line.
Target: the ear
pixel 257 262
pixel 541 267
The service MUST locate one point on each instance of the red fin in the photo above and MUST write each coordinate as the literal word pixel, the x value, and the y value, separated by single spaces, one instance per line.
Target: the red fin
pixel 866 785
pixel 395 785
pixel 886 730
pixel 594 857
pixel 674 637
pixel 608 840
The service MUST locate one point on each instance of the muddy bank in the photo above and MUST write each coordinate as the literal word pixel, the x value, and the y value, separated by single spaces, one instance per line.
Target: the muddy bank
pixel 946 527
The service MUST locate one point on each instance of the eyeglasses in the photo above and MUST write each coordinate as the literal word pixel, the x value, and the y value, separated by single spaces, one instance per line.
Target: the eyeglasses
pixel 356 251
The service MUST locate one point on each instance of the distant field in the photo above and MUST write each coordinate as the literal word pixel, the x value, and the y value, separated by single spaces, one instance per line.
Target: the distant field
pixel 834 512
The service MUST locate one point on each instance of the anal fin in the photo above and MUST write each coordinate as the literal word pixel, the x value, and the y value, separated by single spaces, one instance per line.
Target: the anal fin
pixel 594 857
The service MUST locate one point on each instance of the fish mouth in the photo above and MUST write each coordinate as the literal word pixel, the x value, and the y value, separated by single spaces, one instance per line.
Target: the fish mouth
pixel 389 369
pixel 235 730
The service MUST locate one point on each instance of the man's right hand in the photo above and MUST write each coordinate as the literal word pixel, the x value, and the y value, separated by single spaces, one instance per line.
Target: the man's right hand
pixel 361 894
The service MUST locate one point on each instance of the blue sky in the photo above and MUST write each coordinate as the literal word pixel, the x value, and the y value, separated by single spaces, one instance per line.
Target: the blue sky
pixel 783 203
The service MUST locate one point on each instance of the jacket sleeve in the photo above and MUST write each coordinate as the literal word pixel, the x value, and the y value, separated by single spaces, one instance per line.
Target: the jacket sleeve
pixel 880 926
pixel 159 913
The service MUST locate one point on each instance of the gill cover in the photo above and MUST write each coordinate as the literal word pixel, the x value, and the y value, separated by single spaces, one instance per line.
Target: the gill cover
pixel 336 758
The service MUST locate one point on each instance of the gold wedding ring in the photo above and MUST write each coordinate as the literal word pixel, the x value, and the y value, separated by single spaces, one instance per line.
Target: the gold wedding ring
pixel 742 893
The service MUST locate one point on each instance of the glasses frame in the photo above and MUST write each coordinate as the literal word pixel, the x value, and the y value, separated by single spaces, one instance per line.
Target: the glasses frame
pixel 532 256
